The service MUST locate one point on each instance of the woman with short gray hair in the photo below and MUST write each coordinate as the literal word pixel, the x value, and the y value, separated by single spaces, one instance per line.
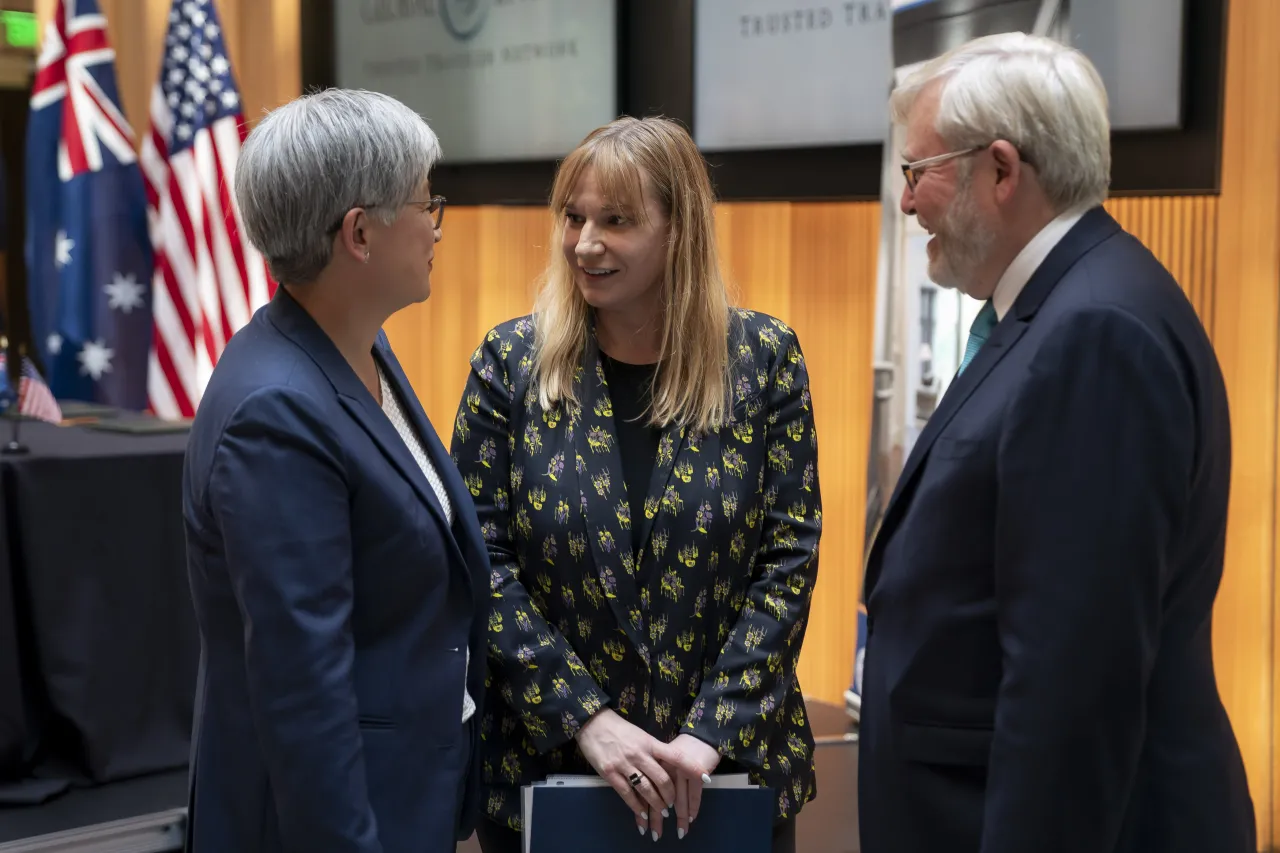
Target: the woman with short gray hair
pixel 336 565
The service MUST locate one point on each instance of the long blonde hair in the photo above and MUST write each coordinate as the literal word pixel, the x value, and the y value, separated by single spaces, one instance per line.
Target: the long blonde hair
pixel 692 383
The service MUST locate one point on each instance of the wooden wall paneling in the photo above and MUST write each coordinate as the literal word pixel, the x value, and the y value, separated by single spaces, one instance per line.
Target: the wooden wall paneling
pixel 754 240
pixel 1246 334
pixel 1181 232
pixel 832 308
pixel 813 266
pixel 484 273
pixel 264 43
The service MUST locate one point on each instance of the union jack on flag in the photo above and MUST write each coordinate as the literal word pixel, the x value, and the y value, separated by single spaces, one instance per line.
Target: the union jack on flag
pixel 208 278
pixel 88 252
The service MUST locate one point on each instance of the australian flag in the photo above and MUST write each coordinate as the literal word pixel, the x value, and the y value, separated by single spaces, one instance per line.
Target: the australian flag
pixel 88 247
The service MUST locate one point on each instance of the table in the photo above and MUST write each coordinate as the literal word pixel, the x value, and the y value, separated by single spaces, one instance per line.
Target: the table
pixel 13 718
pixel 103 639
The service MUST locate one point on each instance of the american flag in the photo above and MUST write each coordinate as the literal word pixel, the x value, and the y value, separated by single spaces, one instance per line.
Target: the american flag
pixel 88 254
pixel 208 279
pixel 34 397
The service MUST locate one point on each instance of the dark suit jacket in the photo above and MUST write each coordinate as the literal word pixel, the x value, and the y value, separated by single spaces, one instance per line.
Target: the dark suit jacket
pixel 335 607
pixel 1039 671
pixel 732 521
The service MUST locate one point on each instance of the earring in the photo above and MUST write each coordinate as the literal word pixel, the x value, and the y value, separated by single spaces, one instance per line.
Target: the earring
pixel 366 257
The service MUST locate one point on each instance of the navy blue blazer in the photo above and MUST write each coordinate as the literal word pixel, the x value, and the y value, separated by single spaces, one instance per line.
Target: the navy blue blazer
pixel 1039 666
pixel 335 606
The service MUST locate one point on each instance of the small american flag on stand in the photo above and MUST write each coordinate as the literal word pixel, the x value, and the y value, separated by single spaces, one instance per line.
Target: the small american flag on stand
pixel 34 398
pixel 208 279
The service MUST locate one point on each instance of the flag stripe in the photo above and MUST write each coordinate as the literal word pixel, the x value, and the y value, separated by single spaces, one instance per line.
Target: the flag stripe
pixel 227 219
pixel 34 397
pixel 209 279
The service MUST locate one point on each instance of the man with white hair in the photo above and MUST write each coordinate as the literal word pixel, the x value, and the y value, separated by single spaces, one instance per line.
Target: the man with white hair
pixel 1039 670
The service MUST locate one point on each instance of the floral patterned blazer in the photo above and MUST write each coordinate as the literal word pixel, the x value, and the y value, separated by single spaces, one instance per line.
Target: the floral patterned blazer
pixel 731 524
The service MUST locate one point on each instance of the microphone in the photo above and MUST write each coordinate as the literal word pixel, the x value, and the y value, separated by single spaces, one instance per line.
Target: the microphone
pixel 15 447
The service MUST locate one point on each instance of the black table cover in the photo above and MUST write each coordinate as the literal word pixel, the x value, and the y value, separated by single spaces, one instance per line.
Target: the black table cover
pixel 96 560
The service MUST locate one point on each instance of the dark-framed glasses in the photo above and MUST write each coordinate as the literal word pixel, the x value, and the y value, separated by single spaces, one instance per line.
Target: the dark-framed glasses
pixel 913 171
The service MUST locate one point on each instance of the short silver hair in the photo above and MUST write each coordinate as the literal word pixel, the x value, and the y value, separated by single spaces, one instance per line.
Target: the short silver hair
pixel 310 161
pixel 1043 97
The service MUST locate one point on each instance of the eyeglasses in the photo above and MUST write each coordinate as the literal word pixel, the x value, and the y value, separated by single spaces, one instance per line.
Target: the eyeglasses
pixel 434 206
pixel 913 171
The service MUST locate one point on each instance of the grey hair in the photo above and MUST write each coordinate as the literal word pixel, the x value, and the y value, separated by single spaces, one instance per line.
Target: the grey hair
pixel 310 161
pixel 1043 97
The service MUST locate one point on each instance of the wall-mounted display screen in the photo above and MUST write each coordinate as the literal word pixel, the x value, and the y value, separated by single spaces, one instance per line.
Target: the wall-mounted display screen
pixel 498 80
pixel 1136 45
pixel 769 74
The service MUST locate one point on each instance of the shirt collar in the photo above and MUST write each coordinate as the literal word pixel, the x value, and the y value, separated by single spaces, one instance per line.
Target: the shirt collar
pixel 1019 272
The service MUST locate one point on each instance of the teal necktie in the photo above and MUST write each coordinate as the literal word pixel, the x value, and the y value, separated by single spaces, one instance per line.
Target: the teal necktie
pixel 978 334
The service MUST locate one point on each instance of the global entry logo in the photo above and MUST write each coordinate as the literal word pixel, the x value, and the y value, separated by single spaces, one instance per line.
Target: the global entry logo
pixel 464 18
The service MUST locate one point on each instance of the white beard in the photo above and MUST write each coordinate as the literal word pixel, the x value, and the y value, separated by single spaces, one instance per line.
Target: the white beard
pixel 963 242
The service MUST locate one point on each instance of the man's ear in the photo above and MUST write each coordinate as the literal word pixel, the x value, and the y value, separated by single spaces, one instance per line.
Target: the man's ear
pixel 1009 168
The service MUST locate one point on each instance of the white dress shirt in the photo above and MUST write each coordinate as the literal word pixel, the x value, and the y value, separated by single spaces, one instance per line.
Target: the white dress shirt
pixel 1026 263
pixel 395 412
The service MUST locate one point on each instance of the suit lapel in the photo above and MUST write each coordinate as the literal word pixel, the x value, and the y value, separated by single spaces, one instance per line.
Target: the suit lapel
pixel 660 495
pixel 1094 227
pixel 465 521
pixel 293 321
pixel 605 509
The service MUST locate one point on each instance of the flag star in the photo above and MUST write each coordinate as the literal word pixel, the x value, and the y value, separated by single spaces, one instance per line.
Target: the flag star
pixel 184 131
pixel 176 76
pixel 124 293
pixel 174 100
pixel 183 31
pixel 211 30
pixel 95 359
pixel 199 70
pixel 215 85
pixel 54 343
pixel 220 65
pixel 188 109
pixel 180 53
pixel 199 18
pixel 206 51
pixel 229 99
pixel 62 252
pixel 210 107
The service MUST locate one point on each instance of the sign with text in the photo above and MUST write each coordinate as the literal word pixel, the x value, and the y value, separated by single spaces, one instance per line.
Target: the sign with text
pixel 770 74
pixel 498 80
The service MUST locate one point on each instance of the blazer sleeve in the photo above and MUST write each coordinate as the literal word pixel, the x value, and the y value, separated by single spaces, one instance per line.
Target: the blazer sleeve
pixel 278 490
pixel 757 665
pixel 538 672
pixel 1093 473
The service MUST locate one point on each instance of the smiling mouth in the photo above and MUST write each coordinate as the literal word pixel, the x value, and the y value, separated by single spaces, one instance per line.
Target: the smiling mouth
pixel 597 272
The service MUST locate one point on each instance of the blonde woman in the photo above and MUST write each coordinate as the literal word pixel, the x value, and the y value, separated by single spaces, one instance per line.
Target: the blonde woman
pixel 643 460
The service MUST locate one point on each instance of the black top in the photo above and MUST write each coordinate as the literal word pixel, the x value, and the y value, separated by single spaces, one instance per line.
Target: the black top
pixel 637 441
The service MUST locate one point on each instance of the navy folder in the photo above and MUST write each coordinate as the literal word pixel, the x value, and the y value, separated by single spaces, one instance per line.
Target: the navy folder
pixel 562 817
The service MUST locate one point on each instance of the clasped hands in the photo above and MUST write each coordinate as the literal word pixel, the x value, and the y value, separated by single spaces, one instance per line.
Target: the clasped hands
pixel 652 777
